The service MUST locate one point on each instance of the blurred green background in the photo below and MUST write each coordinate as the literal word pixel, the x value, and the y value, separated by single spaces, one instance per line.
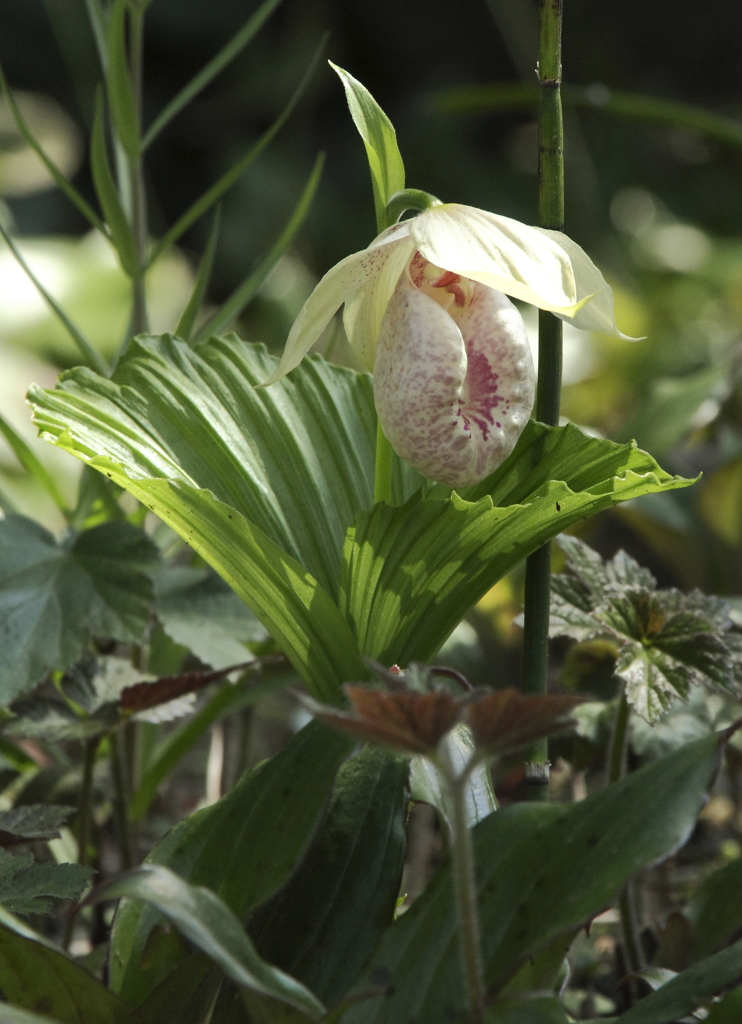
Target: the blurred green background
pixel 657 203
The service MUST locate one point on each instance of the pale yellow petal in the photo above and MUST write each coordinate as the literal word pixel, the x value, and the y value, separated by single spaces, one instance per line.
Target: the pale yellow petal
pixel 525 262
pixel 597 313
pixel 365 310
pixel 339 285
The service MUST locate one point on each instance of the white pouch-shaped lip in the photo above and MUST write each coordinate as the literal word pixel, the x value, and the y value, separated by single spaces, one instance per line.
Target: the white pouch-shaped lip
pixel 454 387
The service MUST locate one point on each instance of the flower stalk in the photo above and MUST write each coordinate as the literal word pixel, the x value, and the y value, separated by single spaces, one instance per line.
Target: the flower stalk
pixel 627 900
pixel 465 895
pixel 548 388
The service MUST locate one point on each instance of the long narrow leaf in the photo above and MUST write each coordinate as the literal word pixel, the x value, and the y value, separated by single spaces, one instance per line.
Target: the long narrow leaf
pixel 35 974
pixel 217 64
pixel 32 465
pixel 543 870
pixel 208 922
pixel 188 317
pixel 97 19
pixel 243 847
pixel 118 82
pixel 6 503
pixel 214 194
pixel 66 186
pixel 323 925
pixel 88 352
pixel 510 96
pixel 687 990
pixel 105 188
pixel 228 313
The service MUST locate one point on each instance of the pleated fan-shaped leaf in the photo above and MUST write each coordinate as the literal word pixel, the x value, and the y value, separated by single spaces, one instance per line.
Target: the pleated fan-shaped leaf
pixel 296 459
pixel 273 486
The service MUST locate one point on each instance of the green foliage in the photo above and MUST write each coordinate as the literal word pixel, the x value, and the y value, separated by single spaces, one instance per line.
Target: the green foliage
pixel 688 990
pixel 198 610
pixel 666 641
pixel 533 1010
pixel 323 925
pixel 36 975
pixel 268 455
pixel 243 847
pixel 273 489
pixel 715 911
pixel 28 887
pixel 32 821
pixel 119 229
pixel 54 597
pixel 543 869
pixel 209 924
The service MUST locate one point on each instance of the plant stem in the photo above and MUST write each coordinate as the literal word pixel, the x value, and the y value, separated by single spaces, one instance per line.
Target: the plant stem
pixel 120 800
pixel 384 451
pixel 627 900
pixel 84 818
pixel 617 748
pixel 550 215
pixel 465 893
pixel 86 801
pixel 383 470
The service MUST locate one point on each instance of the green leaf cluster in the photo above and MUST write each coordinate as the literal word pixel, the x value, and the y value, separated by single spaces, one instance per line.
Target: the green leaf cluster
pixel 272 486
pixel 666 641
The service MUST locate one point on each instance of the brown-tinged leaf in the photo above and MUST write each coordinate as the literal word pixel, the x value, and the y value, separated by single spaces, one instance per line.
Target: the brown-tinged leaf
pixel 148 695
pixel 507 719
pixel 405 720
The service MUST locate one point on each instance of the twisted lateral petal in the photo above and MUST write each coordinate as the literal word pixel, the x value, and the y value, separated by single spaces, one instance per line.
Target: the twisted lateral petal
pixel 360 271
pixel 597 314
pixel 364 312
pixel 526 262
pixel 453 395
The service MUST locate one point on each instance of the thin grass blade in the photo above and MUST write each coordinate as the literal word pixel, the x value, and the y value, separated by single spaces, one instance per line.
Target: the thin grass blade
pixel 214 67
pixel 118 83
pixel 214 194
pixel 89 353
pixel 97 19
pixel 188 317
pixel 247 290
pixel 69 190
pixel 32 465
pixel 105 188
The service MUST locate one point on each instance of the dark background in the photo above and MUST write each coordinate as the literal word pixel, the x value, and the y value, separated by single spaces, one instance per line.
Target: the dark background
pixel 404 53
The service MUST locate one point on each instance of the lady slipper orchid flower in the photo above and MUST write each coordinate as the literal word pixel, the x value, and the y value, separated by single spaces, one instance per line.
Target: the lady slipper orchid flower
pixel 425 310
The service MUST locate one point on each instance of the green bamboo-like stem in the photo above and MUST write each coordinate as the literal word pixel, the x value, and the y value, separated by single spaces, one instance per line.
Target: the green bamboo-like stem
pixel 550 215
pixel 465 890
pixel 627 900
